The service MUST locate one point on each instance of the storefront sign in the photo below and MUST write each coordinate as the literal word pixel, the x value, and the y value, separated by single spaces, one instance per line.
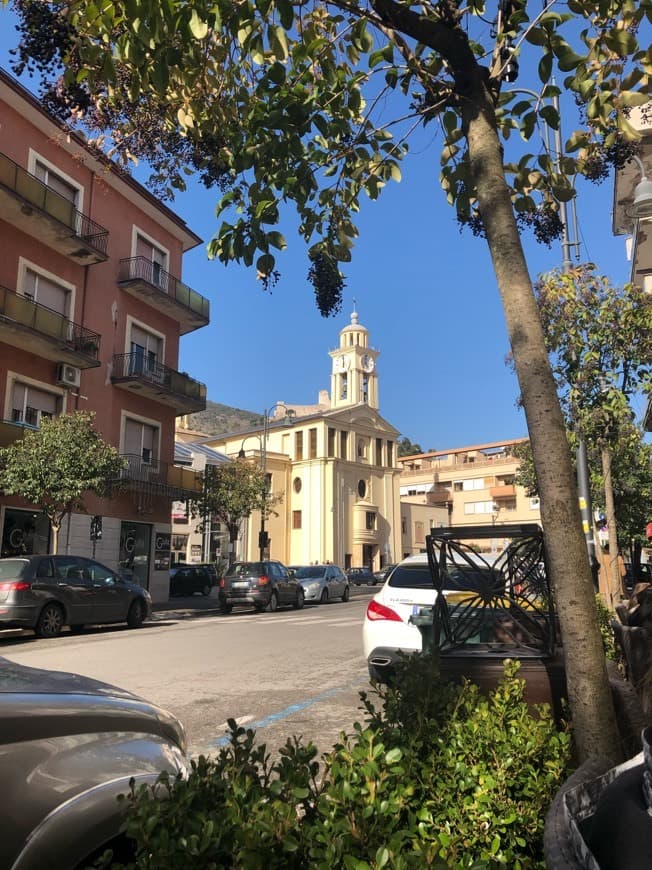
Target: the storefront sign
pixel 162 551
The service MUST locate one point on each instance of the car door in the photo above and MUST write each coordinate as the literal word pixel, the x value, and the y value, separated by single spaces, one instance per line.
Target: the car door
pixel 110 599
pixel 74 588
pixel 286 590
pixel 337 581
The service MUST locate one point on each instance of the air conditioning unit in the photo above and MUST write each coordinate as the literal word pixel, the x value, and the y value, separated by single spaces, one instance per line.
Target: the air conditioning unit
pixel 68 376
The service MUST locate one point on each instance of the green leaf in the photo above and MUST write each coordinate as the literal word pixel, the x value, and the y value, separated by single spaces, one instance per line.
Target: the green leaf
pixel 394 755
pixel 198 28
pixel 545 67
pixel 278 42
pixel 286 13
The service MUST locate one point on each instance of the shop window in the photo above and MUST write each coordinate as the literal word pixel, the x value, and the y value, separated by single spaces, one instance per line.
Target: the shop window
pixel 25 533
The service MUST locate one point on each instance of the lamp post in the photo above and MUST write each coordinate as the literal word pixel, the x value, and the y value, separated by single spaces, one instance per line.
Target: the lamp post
pixel 263 538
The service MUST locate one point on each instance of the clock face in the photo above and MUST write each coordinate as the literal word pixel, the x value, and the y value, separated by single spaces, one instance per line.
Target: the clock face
pixel 367 362
pixel 341 363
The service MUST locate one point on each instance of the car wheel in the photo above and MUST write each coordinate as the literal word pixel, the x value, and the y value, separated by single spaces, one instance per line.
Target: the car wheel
pixel 226 608
pixel 50 622
pixel 323 598
pixel 76 629
pixel 206 590
pixel 273 603
pixel 136 615
pixel 298 604
pixel 346 594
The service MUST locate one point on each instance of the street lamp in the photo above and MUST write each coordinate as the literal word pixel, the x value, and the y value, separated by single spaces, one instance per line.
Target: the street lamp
pixel 290 413
pixel 641 206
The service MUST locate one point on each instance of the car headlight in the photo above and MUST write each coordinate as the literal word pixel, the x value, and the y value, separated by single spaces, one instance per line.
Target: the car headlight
pixel 312 586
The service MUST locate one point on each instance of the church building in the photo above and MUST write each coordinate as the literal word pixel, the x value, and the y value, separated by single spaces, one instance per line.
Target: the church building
pixel 334 466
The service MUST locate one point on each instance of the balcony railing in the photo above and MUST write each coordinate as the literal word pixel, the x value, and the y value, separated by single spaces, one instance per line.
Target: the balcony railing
pixel 159 381
pixel 159 478
pixel 507 490
pixel 45 323
pixel 36 194
pixel 166 288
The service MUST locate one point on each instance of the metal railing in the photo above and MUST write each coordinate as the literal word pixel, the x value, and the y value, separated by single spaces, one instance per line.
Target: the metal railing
pixel 47 322
pixel 158 477
pixel 46 199
pixel 142 269
pixel 136 366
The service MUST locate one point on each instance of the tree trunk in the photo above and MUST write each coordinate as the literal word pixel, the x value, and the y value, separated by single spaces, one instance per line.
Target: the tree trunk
pixel 234 528
pixel 615 583
pixel 589 695
pixel 54 528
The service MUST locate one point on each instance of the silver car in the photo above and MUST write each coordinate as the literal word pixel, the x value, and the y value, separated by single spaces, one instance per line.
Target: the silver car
pixel 69 745
pixel 45 593
pixel 322 583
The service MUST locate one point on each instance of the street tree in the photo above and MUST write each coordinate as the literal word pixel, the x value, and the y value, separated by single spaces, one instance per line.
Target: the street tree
pixel 56 465
pixel 314 104
pixel 600 340
pixel 230 492
pixel 407 448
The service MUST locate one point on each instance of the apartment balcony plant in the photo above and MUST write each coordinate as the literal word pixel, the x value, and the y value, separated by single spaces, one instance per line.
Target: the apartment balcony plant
pixel 150 378
pixel 40 211
pixel 144 278
pixel 46 333
pixel 153 477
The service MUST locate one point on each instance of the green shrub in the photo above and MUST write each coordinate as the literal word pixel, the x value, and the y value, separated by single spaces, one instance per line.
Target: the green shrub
pixel 605 615
pixel 438 776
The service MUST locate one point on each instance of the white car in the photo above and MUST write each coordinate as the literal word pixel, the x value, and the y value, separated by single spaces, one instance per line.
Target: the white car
pixel 387 629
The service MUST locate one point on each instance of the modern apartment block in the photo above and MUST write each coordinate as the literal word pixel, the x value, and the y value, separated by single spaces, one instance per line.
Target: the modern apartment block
pixel 91 314
pixel 468 485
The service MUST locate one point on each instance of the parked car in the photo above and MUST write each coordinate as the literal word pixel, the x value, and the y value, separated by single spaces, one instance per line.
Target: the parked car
pixel 644 574
pixel 265 585
pixel 381 575
pixel 69 745
pixel 387 631
pixel 188 579
pixel 322 583
pixel 361 577
pixel 45 593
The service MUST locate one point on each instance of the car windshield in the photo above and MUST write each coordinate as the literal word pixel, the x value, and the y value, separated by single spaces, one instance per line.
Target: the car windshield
pixel 458 577
pixel 11 568
pixel 309 572
pixel 239 569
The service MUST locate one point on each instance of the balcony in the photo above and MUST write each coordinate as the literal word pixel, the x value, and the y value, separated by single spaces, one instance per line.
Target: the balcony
pixel 11 431
pixel 504 491
pixel 135 372
pixel 159 478
pixel 46 333
pixel 142 277
pixel 29 204
pixel 439 496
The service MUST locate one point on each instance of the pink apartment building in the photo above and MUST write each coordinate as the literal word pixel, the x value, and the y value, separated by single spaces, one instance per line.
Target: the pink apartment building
pixel 91 314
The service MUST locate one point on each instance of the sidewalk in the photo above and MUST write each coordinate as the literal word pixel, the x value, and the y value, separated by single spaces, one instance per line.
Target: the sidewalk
pixel 186 607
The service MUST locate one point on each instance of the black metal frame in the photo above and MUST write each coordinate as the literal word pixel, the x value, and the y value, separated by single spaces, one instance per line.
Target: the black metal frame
pixel 501 604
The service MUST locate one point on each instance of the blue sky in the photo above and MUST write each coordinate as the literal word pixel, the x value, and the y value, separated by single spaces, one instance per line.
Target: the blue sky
pixel 426 293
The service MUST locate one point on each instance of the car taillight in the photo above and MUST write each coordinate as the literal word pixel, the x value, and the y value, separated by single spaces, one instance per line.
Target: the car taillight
pixel 222 583
pixel 14 586
pixel 376 610
pixel 263 580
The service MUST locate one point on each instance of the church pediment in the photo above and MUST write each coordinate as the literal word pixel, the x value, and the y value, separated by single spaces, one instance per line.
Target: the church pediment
pixel 361 417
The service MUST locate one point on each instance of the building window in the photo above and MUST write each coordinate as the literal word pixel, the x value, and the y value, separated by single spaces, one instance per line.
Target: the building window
pixel 146 351
pixel 55 181
pixel 46 291
pixel 179 542
pixel 403 526
pixel 157 257
pixel 344 386
pixel 362 488
pixel 141 439
pixel 298 445
pixel 29 405
pixel 331 441
pixel 470 484
pixel 390 454
pixel 370 520
pixel 312 445
pixel 419 536
pixel 343 445
pixel 379 451
pixel 479 507
pixel 297 484
pixel 363 449
pixel 364 397
pixel 296 519
pixel 535 503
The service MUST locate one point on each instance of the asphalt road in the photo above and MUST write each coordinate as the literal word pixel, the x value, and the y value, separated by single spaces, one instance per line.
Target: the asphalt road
pixel 282 674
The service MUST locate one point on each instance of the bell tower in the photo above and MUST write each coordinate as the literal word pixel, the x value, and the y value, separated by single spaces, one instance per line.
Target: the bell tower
pixel 354 380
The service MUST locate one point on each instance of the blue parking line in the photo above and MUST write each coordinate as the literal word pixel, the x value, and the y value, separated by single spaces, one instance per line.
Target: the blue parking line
pixel 266 721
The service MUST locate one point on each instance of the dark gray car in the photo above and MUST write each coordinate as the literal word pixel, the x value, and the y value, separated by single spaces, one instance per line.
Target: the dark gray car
pixel 265 585
pixel 69 745
pixel 45 593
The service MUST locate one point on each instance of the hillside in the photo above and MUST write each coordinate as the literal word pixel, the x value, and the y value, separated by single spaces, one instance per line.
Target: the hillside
pixel 218 418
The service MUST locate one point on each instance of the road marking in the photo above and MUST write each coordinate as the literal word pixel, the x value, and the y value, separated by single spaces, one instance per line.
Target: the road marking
pixel 266 721
pixel 241 720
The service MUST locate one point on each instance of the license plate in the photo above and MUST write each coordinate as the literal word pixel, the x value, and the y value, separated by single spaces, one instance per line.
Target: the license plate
pixel 240 584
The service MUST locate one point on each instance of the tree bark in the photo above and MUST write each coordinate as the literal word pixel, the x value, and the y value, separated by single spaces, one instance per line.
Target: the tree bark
pixel 591 704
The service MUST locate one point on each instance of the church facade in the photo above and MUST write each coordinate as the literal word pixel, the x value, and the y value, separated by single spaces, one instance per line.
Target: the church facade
pixel 332 470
